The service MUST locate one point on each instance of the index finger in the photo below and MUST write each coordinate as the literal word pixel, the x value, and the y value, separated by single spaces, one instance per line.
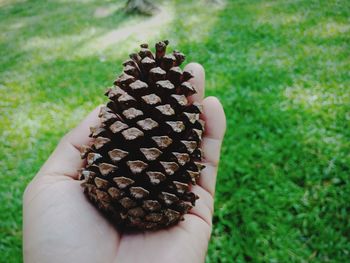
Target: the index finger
pixel 198 80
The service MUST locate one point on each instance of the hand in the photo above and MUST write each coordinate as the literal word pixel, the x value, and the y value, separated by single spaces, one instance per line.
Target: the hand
pixel 60 225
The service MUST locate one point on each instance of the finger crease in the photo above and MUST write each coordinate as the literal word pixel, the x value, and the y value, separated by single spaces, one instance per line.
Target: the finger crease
pixel 207 221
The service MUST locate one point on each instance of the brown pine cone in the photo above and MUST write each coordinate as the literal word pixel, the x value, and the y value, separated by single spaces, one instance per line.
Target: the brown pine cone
pixel 146 153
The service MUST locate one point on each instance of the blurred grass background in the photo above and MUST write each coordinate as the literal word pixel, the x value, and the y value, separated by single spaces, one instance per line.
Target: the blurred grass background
pixel 280 68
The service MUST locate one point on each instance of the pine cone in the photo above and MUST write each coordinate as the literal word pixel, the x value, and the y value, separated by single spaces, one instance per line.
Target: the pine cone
pixel 146 153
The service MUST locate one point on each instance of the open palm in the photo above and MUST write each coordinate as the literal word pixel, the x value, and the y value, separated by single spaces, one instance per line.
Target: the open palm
pixel 60 225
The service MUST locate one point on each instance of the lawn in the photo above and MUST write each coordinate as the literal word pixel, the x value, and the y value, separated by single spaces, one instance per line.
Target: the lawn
pixel 281 70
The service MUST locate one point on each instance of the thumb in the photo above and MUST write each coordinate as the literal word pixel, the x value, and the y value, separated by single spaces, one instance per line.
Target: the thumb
pixel 66 160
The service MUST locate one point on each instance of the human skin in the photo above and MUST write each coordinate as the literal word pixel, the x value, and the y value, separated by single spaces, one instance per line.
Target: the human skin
pixel 60 225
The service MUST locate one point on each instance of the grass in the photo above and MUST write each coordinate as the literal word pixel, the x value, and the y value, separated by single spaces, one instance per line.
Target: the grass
pixel 281 70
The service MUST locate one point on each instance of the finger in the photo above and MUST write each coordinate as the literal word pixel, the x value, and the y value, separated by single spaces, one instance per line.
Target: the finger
pixel 80 134
pixel 198 80
pixel 66 160
pixel 204 207
pixel 215 126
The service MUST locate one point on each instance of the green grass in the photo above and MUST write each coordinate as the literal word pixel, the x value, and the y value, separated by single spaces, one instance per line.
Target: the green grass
pixel 281 69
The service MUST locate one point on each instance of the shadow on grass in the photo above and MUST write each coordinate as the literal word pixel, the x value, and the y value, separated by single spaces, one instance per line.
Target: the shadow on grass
pixel 27 21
